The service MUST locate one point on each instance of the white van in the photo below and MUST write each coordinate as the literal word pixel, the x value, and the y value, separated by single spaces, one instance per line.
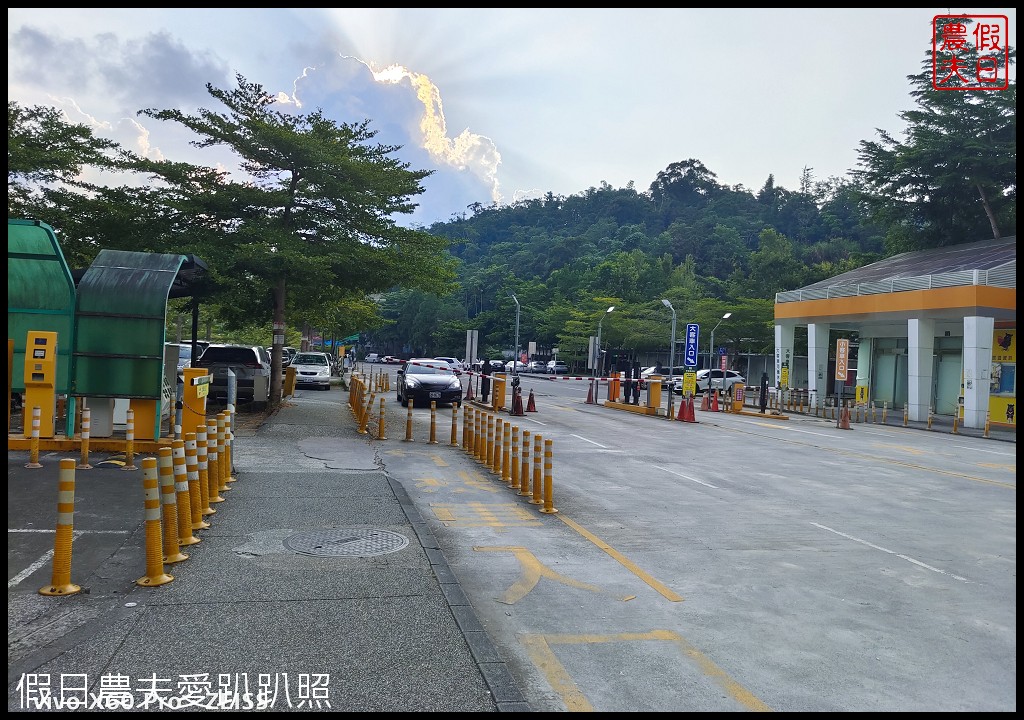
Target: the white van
pixel 372 358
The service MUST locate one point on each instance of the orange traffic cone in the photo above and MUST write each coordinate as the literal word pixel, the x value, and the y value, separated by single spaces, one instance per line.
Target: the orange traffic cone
pixel 517 403
pixel 681 415
pixel 705 401
pixel 714 401
pixel 531 406
pixel 844 418
pixel 590 393
pixel 691 416
pixel 469 390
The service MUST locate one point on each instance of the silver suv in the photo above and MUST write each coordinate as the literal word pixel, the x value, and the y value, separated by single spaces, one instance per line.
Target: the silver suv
pixel 251 365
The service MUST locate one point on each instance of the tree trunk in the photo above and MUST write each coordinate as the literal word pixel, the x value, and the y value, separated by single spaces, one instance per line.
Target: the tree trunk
pixel 988 211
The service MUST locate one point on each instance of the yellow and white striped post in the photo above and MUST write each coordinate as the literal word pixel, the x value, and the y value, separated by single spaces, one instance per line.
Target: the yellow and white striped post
pixel 538 479
pixel 381 422
pixel 513 481
pixel 433 423
pixel 213 460
pixel 524 471
pixel 169 502
pixel 129 442
pixel 83 464
pixel 408 422
pixel 195 496
pixel 489 450
pixel 185 536
pixel 155 574
pixel 60 579
pixel 203 465
pixel 455 425
pixel 222 453
pixel 506 450
pixel 499 427
pixel 549 503
pixel 33 443
pixel 229 441
pixel 467 427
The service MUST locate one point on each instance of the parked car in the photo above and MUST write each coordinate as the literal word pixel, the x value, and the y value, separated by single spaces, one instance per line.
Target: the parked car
pixel 676 376
pixel 515 366
pixel 251 365
pixel 714 378
pixel 557 367
pixel 454 362
pixel 536 366
pixel 423 380
pixel 312 368
pixel 372 357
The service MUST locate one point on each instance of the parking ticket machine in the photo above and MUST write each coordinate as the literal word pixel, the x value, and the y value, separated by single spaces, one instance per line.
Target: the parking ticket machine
pixel 41 381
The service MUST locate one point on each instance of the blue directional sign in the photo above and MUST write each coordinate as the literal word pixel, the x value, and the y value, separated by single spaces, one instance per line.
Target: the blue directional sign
pixel 690 354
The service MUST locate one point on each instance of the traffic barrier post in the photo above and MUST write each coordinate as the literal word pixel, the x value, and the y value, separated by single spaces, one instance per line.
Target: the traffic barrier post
pixel 129 442
pixel 169 501
pixel 506 450
pixel 185 536
pixel 222 456
pixel 213 458
pixel 33 443
pixel 60 578
pixel 202 460
pixel 408 422
pixel 433 423
pixel 455 425
pixel 83 464
pixel 549 502
pixel 538 479
pixel 380 422
pixel 155 574
pixel 524 470
pixel 192 473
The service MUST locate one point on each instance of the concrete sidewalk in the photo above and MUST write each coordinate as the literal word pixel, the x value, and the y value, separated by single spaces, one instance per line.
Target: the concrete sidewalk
pixel 317 586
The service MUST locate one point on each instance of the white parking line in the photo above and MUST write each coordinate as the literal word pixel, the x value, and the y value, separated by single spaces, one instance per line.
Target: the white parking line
pixel 687 477
pixel 48 555
pixel 603 447
pixel 891 552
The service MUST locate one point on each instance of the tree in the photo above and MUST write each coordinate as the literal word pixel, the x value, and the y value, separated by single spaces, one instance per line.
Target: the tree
pixel 316 208
pixel 953 179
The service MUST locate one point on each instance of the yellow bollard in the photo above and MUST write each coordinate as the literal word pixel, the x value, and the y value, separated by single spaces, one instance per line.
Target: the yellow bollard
pixel 364 418
pixel 60 579
pixel 155 574
pixel 172 547
pixel 906 414
pixel 433 423
pixel 455 425
pixel 489 451
pixel 192 473
pixel 129 442
pixel 86 422
pixel 467 428
pixel 499 431
pixel 929 417
pixel 222 454
pixel 185 536
pixel 202 461
pixel 538 455
pixel 506 449
pixel 229 440
pixel 213 455
pixel 549 503
pixel 33 446
pixel 956 420
pixel 524 470
pixel 885 410
pixel 513 481
pixel 988 423
pixel 380 422
pixel 479 436
pixel 408 423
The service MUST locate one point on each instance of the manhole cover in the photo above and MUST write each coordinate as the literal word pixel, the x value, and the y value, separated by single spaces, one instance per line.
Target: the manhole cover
pixel 352 542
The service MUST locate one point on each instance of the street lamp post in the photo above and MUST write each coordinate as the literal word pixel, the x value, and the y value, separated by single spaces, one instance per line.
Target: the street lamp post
pixel 515 360
pixel 671 357
pixel 711 354
pixel 598 360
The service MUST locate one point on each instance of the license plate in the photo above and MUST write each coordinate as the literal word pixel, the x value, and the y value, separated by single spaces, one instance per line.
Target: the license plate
pixel 436 395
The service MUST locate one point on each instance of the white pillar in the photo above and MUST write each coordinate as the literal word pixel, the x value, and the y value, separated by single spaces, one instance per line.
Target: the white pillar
pixel 817 360
pixel 865 351
pixel 784 349
pixel 920 361
pixel 977 369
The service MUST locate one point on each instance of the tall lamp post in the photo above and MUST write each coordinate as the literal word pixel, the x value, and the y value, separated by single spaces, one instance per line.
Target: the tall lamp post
pixel 711 354
pixel 671 357
pixel 515 360
pixel 597 361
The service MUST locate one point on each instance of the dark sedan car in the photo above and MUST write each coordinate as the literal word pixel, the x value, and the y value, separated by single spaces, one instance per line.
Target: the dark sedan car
pixel 423 380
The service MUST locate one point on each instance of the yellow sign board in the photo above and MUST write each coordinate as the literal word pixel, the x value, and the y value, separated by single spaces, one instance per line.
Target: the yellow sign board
pixel 862 394
pixel 689 383
pixel 784 376
pixel 202 385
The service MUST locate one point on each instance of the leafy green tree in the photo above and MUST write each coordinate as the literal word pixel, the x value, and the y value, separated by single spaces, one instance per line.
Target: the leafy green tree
pixel 317 209
pixel 953 179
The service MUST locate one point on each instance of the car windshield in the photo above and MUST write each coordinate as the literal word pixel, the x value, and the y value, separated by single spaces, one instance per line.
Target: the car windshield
pixel 428 368
pixel 308 359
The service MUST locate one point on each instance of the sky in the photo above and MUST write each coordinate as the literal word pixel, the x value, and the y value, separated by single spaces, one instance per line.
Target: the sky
pixel 503 104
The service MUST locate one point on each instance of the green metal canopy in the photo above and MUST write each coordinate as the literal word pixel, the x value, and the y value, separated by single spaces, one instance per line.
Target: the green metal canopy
pixel 120 324
pixel 40 296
